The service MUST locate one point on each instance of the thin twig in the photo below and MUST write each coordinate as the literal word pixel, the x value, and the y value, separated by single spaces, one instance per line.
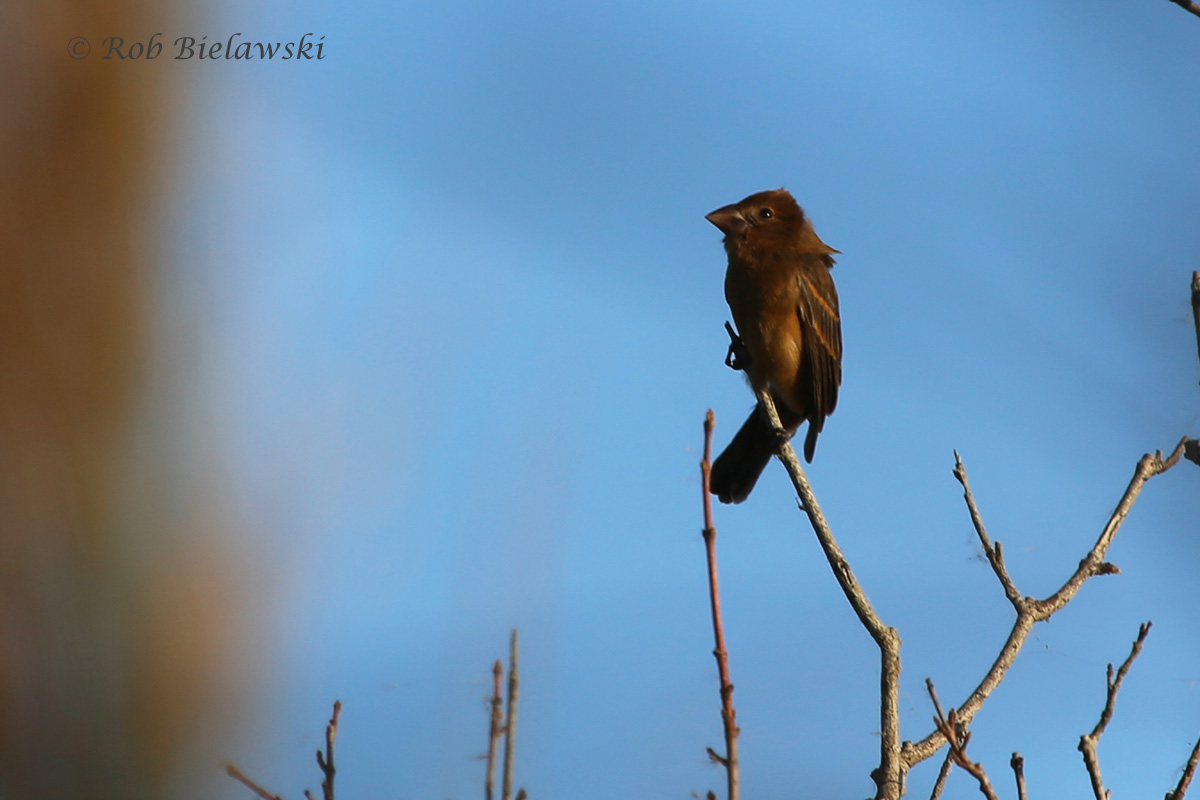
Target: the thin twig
pixel 1088 742
pixel 325 762
pixel 1031 610
pixel 494 731
pixel 510 723
pixel 232 771
pixel 889 777
pixel 728 713
pixel 1018 767
pixel 1188 772
pixel 1188 5
pixel 943 773
pixel 957 736
pixel 994 552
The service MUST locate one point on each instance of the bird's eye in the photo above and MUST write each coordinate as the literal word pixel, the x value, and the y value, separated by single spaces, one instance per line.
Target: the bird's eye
pixel 766 213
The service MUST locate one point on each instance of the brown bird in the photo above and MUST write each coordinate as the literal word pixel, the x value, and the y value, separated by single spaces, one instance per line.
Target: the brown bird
pixel 781 293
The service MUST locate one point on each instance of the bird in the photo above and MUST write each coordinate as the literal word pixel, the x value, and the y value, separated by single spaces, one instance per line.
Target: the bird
pixel 781 294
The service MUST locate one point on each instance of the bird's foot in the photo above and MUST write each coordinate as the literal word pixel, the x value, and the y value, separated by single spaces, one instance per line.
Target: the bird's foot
pixel 738 357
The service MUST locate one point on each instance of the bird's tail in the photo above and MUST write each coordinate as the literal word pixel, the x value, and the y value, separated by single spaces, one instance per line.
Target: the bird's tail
pixel 736 470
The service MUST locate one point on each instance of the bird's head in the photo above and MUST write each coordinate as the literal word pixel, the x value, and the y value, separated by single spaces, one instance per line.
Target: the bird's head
pixel 770 220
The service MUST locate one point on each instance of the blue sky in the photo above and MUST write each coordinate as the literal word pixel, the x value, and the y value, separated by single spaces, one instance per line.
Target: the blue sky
pixel 462 317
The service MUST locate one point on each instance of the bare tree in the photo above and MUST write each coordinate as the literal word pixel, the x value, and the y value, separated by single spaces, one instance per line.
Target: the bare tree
pixel 896 758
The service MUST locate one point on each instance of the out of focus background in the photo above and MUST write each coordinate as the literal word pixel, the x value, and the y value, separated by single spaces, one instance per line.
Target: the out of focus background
pixel 320 375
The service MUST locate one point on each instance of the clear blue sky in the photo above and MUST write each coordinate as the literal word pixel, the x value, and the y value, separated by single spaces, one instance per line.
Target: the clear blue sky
pixel 464 317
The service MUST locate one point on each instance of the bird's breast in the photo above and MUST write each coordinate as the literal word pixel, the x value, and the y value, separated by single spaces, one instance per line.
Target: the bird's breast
pixel 765 309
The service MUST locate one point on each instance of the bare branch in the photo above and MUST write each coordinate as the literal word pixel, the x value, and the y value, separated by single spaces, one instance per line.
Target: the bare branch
pixel 494 731
pixel 1088 742
pixel 1018 767
pixel 325 762
pixel 1093 563
pixel 889 777
pixel 1031 611
pixel 728 713
pixel 956 734
pixel 510 724
pixel 943 773
pixel 994 553
pixel 1188 772
pixel 232 771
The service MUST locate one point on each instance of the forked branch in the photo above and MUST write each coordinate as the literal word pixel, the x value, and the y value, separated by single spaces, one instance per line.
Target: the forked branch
pixel 1032 610
pixel 958 736
pixel 889 777
pixel 1088 742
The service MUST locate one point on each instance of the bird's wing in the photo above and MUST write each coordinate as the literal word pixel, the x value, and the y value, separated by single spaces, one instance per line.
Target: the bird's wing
pixel 821 326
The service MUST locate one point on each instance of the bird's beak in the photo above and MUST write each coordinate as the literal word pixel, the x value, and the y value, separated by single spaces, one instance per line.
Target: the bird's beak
pixel 728 220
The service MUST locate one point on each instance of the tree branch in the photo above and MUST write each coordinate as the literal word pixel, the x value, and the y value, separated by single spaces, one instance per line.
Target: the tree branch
pixel 495 729
pixel 1031 610
pixel 326 762
pixel 1088 742
pixel 957 735
pixel 943 773
pixel 232 771
pixel 1188 772
pixel 889 777
pixel 728 713
pixel 1018 767
pixel 510 724
pixel 994 552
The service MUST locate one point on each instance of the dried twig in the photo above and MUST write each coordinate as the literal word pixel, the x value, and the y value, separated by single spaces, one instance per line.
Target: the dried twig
pixel 1018 767
pixel 1031 610
pixel 510 718
pixel 889 777
pixel 728 713
pixel 325 761
pixel 232 771
pixel 994 552
pixel 1088 742
pixel 943 773
pixel 494 731
pixel 1186 778
pixel 957 736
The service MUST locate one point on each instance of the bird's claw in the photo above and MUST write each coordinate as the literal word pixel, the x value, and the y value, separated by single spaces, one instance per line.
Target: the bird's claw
pixel 737 357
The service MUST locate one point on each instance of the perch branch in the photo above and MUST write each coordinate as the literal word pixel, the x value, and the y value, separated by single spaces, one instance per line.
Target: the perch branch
pixel 889 776
pixel 1031 610
pixel 728 713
